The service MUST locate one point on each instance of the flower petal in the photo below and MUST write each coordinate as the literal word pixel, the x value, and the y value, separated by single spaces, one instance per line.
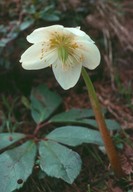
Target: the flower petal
pixel 33 58
pixel 67 78
pixel 76 31
pixel 43 34
pixel 91 55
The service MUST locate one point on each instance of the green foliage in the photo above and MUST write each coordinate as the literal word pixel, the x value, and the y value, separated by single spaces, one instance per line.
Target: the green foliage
pixel 84 117
pixel 55 158
pixel 59 161
pixel 43 103
pixel 17 19
pixel 26 24
pixel 75 135
pixel 20 19
pixel 50 14
pixel 16 166
pixel 73 116
pixel 77 125
pixel 6 139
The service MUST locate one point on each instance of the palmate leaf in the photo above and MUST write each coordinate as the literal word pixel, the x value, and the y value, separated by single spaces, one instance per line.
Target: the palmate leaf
pixel 75 135
pixel 84 117
pixel 16 166
pixel 43 103
pixel 58 161
pixel 6 139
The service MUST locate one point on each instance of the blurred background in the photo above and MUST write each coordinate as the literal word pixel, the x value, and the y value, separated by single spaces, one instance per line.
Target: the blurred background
pixel 108 22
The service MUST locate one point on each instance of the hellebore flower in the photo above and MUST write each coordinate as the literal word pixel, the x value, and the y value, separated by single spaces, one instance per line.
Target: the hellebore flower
pixel 65 49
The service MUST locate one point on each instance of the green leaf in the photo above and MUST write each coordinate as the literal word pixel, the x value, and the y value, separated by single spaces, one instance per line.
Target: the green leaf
pixel 25 24
pixel 50 17
pixel 82 117
pixel 31 9
pixel 112 125
pixel 50 14
pixel 16 166
pixel 6 139
pixel 73 116
pixel 59 161
pixel 75 135
pixel 43 103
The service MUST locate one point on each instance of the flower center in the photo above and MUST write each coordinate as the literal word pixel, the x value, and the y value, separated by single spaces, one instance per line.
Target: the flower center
pixel 63 53
pixel 64 44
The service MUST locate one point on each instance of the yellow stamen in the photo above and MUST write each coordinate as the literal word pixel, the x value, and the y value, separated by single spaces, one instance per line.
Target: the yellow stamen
pixel 64 44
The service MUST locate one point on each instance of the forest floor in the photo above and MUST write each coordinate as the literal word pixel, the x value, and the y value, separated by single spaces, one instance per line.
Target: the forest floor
pixel 113 81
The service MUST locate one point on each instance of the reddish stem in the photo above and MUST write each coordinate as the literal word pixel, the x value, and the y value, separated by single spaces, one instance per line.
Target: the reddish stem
pixel 109 146
pixel 39 126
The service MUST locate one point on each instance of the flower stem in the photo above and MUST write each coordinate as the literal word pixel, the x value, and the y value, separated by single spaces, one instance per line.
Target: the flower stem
pixel 109 146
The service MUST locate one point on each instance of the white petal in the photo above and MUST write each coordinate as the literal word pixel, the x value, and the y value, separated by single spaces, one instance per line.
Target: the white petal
pixel 33 59
pixel 91 55
pixel 76 31
pixel 67 78
pixel 43 34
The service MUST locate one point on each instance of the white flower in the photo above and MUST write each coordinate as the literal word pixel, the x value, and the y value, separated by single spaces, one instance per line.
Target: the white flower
pixel 65 49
